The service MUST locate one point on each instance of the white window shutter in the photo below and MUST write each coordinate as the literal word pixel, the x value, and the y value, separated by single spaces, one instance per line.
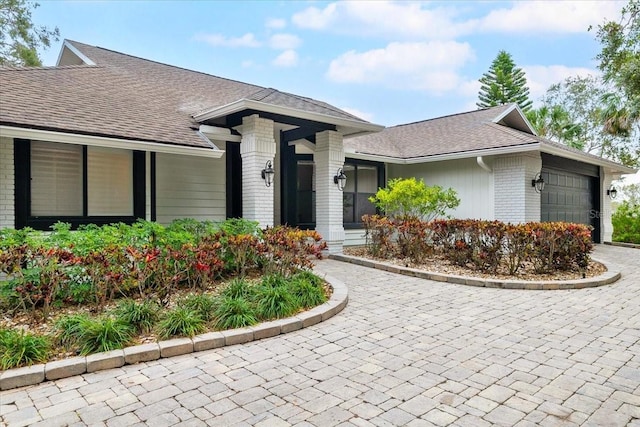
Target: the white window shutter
pixel 56 179
pixel 109 182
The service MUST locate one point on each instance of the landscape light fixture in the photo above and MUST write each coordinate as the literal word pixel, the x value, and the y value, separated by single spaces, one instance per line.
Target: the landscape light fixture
pixel 268 173
pixel 538 183
pixel 340 179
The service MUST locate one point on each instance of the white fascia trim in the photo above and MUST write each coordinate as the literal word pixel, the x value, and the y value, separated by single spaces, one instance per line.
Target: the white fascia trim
pixel 99 141
pixel 249 104
pixel 75 51
pixel 524 117
pixel 442 157
pixel 607 164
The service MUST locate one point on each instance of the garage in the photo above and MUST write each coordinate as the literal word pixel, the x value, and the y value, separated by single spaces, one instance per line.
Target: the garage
pixel 571 192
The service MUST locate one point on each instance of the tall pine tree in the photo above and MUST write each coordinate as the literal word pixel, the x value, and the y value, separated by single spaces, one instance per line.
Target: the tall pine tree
pixel 504 83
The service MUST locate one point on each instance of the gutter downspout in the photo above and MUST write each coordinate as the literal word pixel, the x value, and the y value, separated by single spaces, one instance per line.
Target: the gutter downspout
pixel 482 164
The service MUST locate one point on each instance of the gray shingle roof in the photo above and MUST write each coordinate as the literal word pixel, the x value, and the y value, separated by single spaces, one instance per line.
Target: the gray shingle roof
pixel 462 133
pixel 128 97
pixel 456 133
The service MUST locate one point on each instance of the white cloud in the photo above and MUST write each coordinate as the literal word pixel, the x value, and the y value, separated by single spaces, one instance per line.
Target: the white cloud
pixel 549 16
pixel 284 41
pixel 288 58
pixel 276 24
pixel 388 18
pixel 540 77
pixel 411 20
pixel 358 113
pixel 315 18
pixel 247 40
pixel 431 66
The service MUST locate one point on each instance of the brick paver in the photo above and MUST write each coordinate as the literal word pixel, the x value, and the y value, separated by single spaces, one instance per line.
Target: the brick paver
pixel 405 351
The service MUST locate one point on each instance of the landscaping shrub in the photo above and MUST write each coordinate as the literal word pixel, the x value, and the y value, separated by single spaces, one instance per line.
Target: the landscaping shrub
pixel 273 298
pixel 22 348
pixel 104 333
pixel 285 250
pixel 234 313
pixel 410 198
pixel 181 322
pixel 203 304
pixel 379 234
pixel 626 223
pixel 68 329
pixel 484 245
pixel 307 288
pixel 141 316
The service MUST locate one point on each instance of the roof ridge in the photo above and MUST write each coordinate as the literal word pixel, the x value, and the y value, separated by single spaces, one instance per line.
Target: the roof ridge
pixel 319 103
pixel 448 116
pixel 160 63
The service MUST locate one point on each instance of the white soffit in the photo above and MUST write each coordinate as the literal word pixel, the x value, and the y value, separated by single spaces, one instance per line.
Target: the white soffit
pixel 98 141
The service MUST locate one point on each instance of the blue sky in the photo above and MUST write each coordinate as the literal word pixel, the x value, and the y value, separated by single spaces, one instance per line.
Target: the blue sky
pixel 387 62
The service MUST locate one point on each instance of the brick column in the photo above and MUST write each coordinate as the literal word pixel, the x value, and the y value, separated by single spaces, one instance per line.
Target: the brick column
pixel 7 184
pixel 256 148
pixel 606 227
pixel 328 158
pixel 514 198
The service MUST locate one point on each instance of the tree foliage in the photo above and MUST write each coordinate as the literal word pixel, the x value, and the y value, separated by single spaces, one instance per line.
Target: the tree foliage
pixel 587 103
pixel 20 38
pixel 620 65
pixel 554 122
pixel 504 83
pixel 410 198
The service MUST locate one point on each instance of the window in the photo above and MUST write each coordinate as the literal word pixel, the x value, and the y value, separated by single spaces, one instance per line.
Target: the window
pixel 362 183
pixel 77 184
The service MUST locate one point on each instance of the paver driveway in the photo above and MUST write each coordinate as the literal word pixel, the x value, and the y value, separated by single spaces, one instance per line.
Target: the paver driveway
pixel 405 351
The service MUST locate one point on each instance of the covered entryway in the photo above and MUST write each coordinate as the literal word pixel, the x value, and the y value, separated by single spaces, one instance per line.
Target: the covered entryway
pixel 571 192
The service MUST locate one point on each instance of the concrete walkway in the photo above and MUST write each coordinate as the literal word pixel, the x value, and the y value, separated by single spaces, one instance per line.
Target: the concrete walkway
pixel 405 351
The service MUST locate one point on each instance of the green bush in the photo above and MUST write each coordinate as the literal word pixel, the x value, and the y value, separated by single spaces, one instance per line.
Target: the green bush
pixel 410 198
pixel 181 322
pixel 274 299
pixel 626 223
pixel 308 289
pixel 22 348
pixel 141 316
pixel 103 334
pixel 234 313
pixel 68 329
pixel 203 304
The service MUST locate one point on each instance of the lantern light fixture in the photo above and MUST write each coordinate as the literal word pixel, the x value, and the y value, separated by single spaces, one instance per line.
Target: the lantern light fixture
pixel 340 179
pixel 268 173
pixel 538 183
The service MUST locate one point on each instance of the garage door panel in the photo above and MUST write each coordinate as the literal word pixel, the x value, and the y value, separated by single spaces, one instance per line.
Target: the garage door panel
pixel 569 197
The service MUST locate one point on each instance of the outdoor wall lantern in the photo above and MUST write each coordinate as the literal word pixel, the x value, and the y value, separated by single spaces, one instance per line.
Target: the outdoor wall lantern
pixel 340 179
pixel 612 192
pixel 538 183
pixel 268 173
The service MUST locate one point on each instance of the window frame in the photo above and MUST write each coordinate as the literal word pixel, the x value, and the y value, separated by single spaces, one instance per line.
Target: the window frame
pixel 23 217
pixel 381 179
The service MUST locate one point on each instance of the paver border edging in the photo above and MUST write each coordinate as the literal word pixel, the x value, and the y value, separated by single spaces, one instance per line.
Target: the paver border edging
pixel 623 245
pixel 35 374
pixel 544 285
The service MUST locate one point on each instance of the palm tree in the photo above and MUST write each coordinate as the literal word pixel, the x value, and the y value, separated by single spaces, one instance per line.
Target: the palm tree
pixel 554 122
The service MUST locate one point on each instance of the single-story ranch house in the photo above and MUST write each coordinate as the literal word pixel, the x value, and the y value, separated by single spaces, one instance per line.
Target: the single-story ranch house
pixel 105 137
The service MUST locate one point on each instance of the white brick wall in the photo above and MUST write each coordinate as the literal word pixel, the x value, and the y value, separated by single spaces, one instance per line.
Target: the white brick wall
pixel 257 147
pixel 7 184
pixel 328 158
pixel 605 207
pixel 514 197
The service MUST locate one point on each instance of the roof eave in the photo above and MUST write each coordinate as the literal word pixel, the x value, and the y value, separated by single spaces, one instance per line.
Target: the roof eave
pixel 582 157
pixel 447 156
pixel 101 141
pixel 347 127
